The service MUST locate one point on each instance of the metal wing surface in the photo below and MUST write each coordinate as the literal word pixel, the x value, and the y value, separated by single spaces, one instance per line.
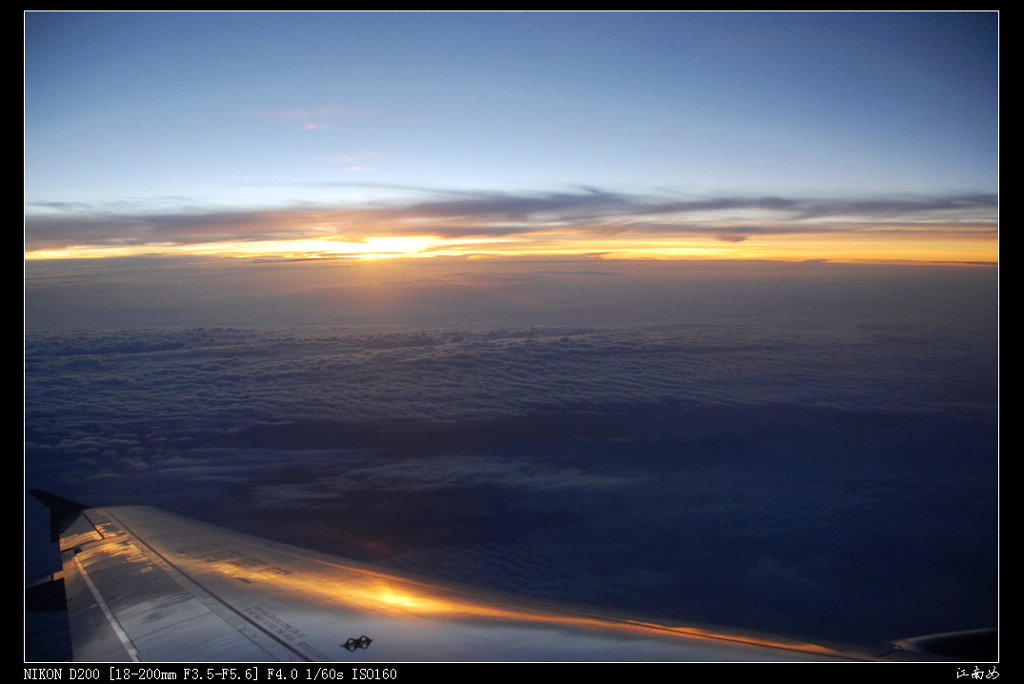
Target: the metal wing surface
pixel 147 585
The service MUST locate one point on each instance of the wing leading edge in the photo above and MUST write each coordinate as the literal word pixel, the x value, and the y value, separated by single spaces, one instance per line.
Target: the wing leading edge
pixel 146 585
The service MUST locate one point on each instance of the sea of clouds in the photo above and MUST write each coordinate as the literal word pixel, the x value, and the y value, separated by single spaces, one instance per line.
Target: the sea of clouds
pixel 827 473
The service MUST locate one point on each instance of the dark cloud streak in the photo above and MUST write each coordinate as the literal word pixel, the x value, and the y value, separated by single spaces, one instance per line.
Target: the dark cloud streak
pixel 491 214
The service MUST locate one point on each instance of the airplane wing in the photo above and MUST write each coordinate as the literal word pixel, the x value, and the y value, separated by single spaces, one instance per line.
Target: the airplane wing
pixel 143 584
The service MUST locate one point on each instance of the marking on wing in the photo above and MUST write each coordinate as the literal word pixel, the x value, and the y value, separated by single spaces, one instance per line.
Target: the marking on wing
pixel 118 630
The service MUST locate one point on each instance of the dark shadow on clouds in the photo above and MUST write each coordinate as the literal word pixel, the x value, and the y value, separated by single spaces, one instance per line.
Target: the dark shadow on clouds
pixel 814 522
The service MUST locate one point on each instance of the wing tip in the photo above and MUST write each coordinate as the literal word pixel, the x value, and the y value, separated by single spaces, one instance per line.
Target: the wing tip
pixel 973 644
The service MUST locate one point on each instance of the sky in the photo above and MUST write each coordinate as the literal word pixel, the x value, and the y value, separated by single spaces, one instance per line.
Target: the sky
pixel 780 135
pixel 690 314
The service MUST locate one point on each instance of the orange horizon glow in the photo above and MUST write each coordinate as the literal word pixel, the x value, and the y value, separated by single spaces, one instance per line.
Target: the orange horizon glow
pixel 962 246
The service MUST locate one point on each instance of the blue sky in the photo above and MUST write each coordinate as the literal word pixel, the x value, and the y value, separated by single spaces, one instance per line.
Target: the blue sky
pixel 184 113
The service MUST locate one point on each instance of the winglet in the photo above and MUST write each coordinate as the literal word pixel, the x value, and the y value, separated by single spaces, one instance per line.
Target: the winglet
pixel 61 510
pixel 974 644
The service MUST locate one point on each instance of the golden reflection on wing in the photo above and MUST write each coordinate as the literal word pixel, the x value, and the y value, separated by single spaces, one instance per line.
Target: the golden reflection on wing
pixel 168 584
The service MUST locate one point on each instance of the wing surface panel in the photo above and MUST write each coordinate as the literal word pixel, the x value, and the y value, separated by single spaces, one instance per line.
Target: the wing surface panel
pixel 148 585
pixel 125 602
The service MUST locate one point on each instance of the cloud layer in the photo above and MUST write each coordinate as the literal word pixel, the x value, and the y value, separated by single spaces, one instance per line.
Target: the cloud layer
pixel 779 469
pixel 586 220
